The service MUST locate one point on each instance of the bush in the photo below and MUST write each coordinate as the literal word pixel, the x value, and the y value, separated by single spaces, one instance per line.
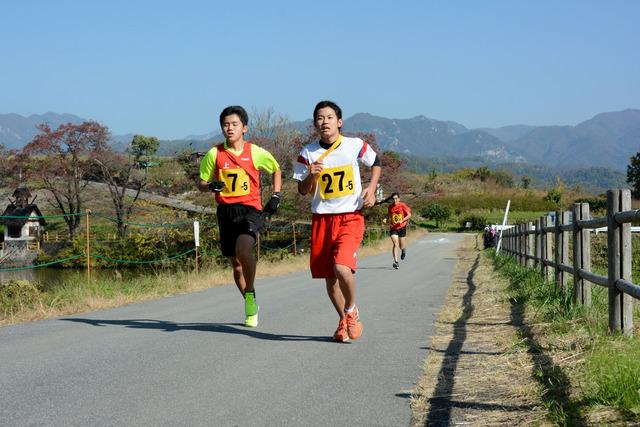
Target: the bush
pixel 18 295
pixel 437 212
pixel 554 196
pixel 477 221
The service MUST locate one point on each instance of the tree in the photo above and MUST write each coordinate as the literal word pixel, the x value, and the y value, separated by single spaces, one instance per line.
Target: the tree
pixel 633 174
pixel 482 173
pixel 526 181
pixel 122 173
pixel 436 211
pixel 9 174
pixel 392 179
pixel 275 133
pixel 554 196
pixel 60 160
pixel 503 178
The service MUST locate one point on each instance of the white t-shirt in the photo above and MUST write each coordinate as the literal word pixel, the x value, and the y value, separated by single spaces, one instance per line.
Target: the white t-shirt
pixel 339 186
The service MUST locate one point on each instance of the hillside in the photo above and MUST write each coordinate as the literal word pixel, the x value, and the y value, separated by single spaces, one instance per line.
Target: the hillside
pixel 592 179
pixel 16 130
pixel 605 141
pixel 608 140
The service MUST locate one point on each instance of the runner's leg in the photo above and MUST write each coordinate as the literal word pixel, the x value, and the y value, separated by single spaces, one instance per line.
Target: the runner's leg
pixel 247 262
pixel 347 284
pixel 335 295
pixel 394 239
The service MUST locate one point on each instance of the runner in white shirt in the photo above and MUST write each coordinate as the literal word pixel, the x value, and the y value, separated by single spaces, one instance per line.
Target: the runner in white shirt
pixel 329 170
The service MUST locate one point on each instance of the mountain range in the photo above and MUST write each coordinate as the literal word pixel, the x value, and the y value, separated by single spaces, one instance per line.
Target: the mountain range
pixel 606 140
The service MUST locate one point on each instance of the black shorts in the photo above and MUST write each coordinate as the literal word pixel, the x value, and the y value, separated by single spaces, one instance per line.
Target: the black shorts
pixel 400 232
pixel 234 220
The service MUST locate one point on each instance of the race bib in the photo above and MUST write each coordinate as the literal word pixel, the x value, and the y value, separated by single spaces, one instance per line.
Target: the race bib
pixel 336 182
pixel 396 218
pixel 236 182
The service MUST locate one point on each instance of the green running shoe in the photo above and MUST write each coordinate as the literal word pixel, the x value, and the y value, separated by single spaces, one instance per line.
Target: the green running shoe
pixel 251 321
pixel 250 310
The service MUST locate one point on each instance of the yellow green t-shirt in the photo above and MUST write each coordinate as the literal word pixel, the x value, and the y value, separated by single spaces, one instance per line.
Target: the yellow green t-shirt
pixel 262 160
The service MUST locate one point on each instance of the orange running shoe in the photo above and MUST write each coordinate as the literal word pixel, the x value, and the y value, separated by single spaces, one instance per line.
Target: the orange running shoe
pixel 341 334
pixel 354 327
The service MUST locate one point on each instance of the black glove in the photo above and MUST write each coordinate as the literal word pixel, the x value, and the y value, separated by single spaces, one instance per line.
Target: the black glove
pixel 272 206
pixel 216 186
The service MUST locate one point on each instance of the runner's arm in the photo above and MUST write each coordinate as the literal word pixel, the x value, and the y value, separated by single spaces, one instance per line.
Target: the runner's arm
pixel 307 185
pixel 369 193
pixel 276 181
pixel 405 220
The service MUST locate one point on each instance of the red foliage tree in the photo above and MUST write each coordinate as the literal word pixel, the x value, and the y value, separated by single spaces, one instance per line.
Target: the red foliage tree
pixel 61 161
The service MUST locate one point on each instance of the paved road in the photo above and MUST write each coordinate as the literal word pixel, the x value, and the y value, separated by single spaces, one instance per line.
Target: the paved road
pixel 188 361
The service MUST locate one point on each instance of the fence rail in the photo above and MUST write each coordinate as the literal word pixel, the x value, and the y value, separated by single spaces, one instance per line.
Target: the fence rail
pixel 545 246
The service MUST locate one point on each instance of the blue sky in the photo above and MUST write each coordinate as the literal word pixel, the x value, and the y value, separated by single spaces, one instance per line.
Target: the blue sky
pixel 167 68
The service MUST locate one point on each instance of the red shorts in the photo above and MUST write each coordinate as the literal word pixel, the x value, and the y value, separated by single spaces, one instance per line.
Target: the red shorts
pixel 335 239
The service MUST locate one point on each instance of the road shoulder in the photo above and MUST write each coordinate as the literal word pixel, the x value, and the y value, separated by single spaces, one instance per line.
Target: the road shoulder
pixel 477 371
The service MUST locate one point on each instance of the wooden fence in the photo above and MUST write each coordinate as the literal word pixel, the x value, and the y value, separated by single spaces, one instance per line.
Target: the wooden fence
pixel 532 245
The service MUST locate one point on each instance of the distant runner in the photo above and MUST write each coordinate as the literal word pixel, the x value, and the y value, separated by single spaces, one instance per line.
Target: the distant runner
pixel 399 214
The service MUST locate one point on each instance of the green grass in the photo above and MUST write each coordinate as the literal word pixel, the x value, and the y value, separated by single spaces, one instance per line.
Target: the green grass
pixel 547 302
pixel 613 372
pixel 492 217
pixel 495 217
pixel 612 366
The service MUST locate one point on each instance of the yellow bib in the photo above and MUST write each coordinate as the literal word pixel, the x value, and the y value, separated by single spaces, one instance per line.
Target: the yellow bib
pixel 236 182
pixel 396 218
pixel 336 182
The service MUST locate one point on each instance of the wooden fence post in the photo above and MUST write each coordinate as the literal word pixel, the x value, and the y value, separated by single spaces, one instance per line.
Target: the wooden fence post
pixel 613 256
pixel 558 249
pixel 523 245
pixel 258 248
pixel 88 249
pixel 530 243
pixel 520 245
pixel 504 244
pixel 548 249
pixel 619 254
pixel 626 262
pixel 295 248
pixel 538 244
pixel 505 241
pixel 578 282
pixel 514 242
pixel 581 254
pixel 564 253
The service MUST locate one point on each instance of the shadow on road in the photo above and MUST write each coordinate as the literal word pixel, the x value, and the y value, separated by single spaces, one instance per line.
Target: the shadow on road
pixel 441 405
pixel 551 377
pixel 225 328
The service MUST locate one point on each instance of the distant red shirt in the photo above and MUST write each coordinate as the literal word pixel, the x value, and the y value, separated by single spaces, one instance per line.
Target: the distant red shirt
pixel 397 213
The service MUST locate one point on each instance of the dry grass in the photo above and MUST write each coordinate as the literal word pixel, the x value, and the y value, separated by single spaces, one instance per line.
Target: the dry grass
pixel 85 297
pixel 477 371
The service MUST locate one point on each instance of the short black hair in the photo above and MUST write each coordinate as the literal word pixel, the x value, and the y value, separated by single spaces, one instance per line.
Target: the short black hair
pixel 394 195
pixel 235 109
pixel 325 104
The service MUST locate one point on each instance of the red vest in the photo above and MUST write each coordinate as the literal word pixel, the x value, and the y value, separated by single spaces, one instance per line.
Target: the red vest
pixel 241 178
pixel 397 214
